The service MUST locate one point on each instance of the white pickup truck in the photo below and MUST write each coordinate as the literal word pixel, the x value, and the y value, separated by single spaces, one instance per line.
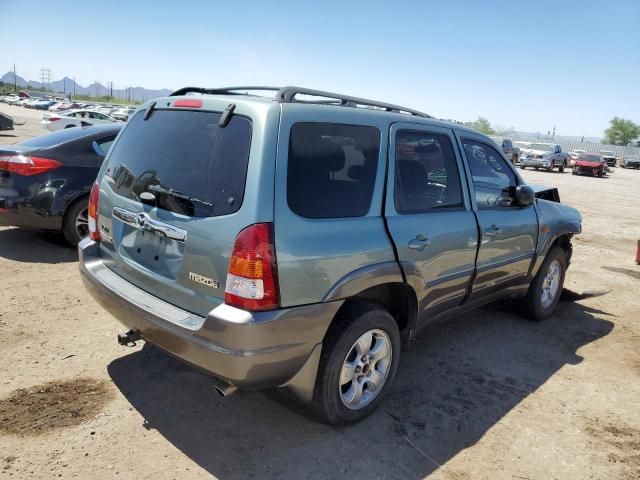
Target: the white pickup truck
pixel 544 155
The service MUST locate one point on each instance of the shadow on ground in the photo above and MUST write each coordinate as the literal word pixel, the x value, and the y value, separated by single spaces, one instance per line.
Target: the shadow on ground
pixel 36 247
pixel 456 383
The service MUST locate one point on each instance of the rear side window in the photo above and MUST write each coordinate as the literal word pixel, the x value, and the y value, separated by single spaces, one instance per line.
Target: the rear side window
pixel 427 176
pixel 332 169
pixel 190 164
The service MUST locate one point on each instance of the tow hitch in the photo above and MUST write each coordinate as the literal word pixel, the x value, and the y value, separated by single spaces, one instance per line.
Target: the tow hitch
pixel 129 339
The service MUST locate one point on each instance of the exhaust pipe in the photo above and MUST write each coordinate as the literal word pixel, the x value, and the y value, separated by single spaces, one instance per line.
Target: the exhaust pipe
pixel 129 339
pixel 225 389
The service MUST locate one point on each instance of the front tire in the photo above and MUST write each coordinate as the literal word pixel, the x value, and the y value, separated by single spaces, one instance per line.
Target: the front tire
pixel 544 292
pixel 360 356
pixel 561 168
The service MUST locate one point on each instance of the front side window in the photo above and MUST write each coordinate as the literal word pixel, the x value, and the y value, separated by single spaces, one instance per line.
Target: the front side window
pixel 426 173
pixel 332 169
pixel 493 181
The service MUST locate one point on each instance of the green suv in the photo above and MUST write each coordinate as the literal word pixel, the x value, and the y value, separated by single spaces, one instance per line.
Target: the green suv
pixel 303 238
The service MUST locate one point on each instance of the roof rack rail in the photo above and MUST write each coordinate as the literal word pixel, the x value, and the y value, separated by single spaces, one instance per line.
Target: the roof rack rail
pixel 222 90
pixel 288 95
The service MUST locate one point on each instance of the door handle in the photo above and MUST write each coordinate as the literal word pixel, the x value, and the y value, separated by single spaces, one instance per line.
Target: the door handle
pixel 492 231
pixel 419 243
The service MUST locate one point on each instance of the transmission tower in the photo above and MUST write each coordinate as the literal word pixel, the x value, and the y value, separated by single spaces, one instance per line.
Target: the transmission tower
pixel 45 77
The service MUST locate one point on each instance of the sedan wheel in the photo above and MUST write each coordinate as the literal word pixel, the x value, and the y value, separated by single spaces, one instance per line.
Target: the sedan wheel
pixel 82 223
pixel 76 222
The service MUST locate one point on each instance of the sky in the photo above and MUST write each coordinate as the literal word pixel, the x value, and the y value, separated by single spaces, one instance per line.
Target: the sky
pixel 528 65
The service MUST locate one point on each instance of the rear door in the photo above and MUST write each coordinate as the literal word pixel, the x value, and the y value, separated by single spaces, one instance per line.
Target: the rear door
pixel 508 232
pixel 178 246
pixel 429 215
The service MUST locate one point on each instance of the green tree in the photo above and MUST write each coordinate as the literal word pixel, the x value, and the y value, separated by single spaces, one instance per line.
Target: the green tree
pixel 621 132
pixel 503 131
pixel 482 125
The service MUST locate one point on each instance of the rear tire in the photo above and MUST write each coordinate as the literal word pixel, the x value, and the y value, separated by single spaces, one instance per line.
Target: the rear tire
pixel 75 225
pixel 561 168
pixel 347 390
pixel 523 167
pixel 545 289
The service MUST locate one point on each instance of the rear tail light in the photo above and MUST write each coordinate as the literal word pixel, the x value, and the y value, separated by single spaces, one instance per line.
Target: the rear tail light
pixel 53 119
pixel 252 281
pixel 27 166
pixel 94 234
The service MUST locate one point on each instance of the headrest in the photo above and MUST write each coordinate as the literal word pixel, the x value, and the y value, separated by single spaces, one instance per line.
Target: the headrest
pixel 430 148
pixel 319 154
pixel 412 169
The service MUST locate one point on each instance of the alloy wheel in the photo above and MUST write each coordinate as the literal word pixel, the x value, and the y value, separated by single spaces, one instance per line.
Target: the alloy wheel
pixel 365 369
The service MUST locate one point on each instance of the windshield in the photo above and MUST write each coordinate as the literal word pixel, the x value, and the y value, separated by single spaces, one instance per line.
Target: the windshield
pixel 591 158
pixel 199 169
pixel 542 146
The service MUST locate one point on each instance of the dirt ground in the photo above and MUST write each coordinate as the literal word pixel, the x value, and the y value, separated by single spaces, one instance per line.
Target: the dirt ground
pixel 485 396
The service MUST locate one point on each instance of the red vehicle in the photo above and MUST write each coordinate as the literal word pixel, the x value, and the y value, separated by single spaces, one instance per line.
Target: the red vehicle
pixel 589 164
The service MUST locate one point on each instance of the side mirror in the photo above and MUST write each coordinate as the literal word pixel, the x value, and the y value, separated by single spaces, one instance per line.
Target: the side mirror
pixel 524 196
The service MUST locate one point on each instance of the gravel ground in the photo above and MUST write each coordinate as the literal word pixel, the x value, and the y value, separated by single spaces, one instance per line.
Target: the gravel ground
pixel 485 396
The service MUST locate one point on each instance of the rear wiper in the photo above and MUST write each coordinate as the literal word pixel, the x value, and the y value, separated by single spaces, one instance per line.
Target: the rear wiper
pixel 177 194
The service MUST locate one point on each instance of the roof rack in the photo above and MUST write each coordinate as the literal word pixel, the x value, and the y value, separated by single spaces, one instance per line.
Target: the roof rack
pixel 288 95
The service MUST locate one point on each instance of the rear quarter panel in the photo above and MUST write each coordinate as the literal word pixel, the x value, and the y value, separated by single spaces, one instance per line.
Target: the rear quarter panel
pixel 315 254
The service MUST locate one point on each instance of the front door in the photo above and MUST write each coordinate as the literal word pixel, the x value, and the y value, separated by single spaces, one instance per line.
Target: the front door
pixel 429 215
pixel 508 232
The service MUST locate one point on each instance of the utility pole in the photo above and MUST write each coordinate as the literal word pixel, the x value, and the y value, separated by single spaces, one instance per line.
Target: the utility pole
pixel 15 80
pixel 553 135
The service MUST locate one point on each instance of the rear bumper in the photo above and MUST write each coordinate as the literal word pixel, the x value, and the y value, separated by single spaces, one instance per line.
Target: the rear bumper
pixel 245 349
pixel 33 212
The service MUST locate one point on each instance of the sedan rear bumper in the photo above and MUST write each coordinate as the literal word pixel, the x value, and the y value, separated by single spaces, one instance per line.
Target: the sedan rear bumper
pixel 245 349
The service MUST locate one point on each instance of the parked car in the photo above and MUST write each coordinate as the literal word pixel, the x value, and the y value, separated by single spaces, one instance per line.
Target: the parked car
pixel 252 237
pixel 12 99
pixel 544 155
pixel 75 118
pixel 590 164
pixel 609 157
pixel 123 113
pixel 631 162
pixel 45 181
pixel 43 104
pixel 6 122
pixel 573 156
pixel 511 151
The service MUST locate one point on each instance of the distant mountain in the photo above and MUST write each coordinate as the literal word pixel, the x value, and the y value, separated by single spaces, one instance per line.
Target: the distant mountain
pixel 67 86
